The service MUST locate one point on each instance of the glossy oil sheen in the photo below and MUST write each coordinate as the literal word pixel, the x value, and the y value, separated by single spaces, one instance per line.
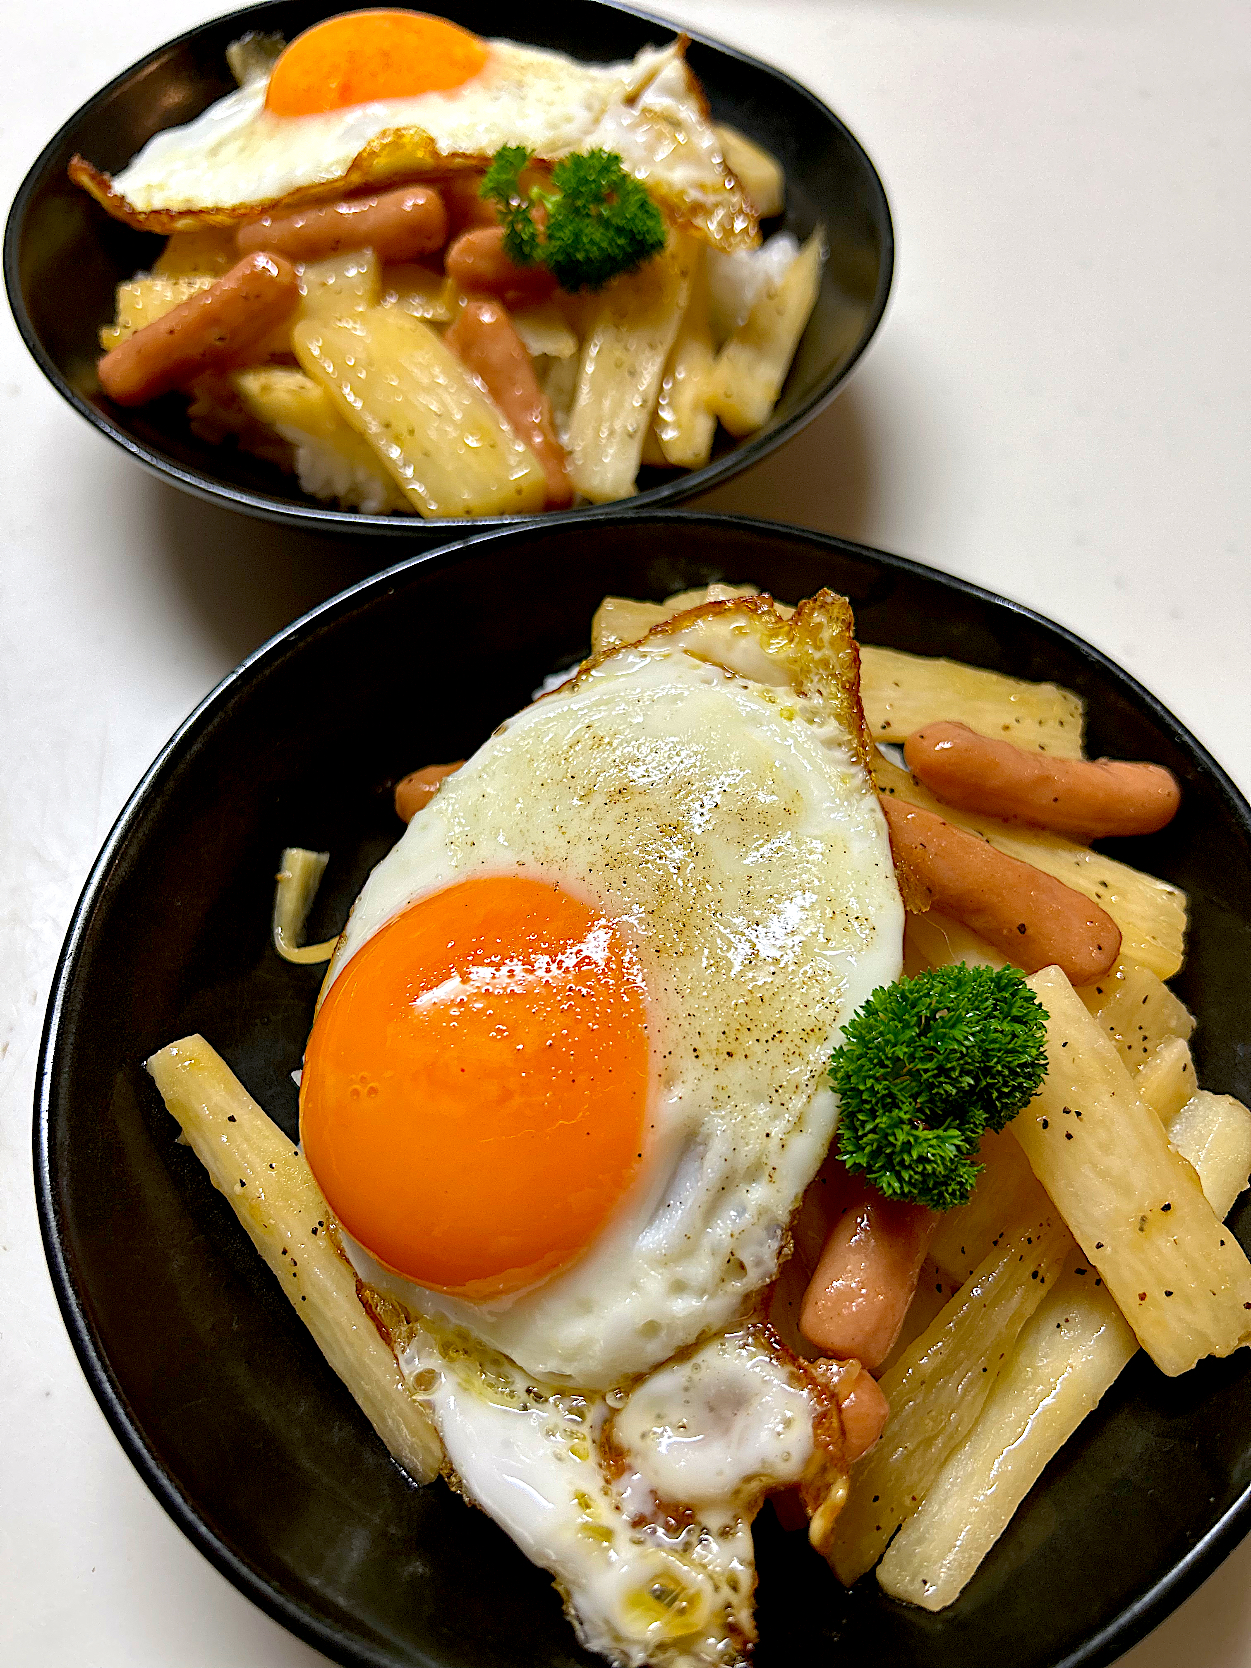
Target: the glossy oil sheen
pixel 63 256
pixel 222 1401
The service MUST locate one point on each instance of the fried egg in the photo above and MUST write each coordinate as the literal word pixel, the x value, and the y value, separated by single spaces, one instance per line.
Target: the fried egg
pixel 567 1086
pixel 376 97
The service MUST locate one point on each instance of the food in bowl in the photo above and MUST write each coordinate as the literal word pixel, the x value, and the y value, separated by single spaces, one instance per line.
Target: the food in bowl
pixel 570 1134
pixel 433 274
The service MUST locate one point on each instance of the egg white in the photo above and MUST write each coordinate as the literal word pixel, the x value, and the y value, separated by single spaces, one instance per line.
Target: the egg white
pixel 706 791
pixel 640 1505
pixel 238 158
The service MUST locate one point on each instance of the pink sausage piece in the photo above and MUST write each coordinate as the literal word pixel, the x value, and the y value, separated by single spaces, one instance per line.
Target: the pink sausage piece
pixel 864 1411
pixel 484 340
pixel 418 788
pixel 211 331
pixel 1089 799
pixel 465 208
pixel 866 1277
pixel 397 225
pixel 477 262
pixel 1033 919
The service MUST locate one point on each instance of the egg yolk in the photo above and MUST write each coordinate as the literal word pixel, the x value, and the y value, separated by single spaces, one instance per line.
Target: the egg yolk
pixel 474 1088
pixel 363 56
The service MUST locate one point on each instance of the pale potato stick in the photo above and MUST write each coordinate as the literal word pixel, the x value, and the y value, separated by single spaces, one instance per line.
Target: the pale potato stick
pixel 620 620
pixel 142 300
pixel 1133 1204
pixel 560 384
pixel 1137 1010
pixel 938 1387
pixel 275 1197
pixel 1007 1191
pixel 299 876
pixel 629 335
pixel 1166 1079
pixel 745 382
pixel 339 285
pixel 938 940
pixel 1213 1132
pixel 683 425
pixel 206 251
pixel 1150 913
pixel 901 692
pixel 278 394
pixel 1069 1353
pixel 332 288
pixel 934 1291
pixel 756 170
pixel 543 331
pixel 414 289
pixel 447 448
pixel 299 409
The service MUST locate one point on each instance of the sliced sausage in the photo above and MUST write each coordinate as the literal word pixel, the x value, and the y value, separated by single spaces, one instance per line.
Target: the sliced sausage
pixel 476 260
pixel 1089 799
pixel 397 225
pixel 465 207
pixel 866 1277
pixel 864 1410
pixel 1033 919
pixel 416 790
pixel 211 331
pixel 484 340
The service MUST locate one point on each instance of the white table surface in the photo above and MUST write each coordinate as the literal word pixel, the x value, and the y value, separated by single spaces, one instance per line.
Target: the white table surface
pixel 1057 406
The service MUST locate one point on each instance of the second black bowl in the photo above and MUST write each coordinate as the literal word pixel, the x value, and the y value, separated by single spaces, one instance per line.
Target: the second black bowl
pixel 64 257
pixel 221 1399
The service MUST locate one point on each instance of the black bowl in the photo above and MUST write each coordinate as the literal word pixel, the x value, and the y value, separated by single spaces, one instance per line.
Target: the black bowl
pixel 216 1392
pixel 63 256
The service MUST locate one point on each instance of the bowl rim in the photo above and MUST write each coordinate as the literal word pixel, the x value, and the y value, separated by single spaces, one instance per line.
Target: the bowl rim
pixel 321 519
pixel 1097 1651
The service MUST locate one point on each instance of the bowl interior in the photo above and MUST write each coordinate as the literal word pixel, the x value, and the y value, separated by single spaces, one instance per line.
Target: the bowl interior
pixel 220 1397
pixel 64 256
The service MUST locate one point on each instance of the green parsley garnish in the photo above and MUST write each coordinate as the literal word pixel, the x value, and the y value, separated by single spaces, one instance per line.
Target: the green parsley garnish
pixel 600 221
pixel 925 1066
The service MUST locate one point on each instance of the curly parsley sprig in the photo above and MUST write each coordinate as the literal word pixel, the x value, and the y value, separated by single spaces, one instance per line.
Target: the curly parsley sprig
pixel 599 220
pixel 925 1066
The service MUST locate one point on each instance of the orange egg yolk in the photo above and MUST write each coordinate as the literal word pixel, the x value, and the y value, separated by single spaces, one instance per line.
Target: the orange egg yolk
pixel 363 56
pixel 474 1088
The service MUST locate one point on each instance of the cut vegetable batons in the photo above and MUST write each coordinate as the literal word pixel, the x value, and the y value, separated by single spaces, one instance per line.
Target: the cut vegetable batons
pixel 939 1385
pixel 1070 1352
pixel 631 327
pixel 391 378
pixel 902 692
pixel 747 379
pixel 1132 1202
pixel 275 1197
